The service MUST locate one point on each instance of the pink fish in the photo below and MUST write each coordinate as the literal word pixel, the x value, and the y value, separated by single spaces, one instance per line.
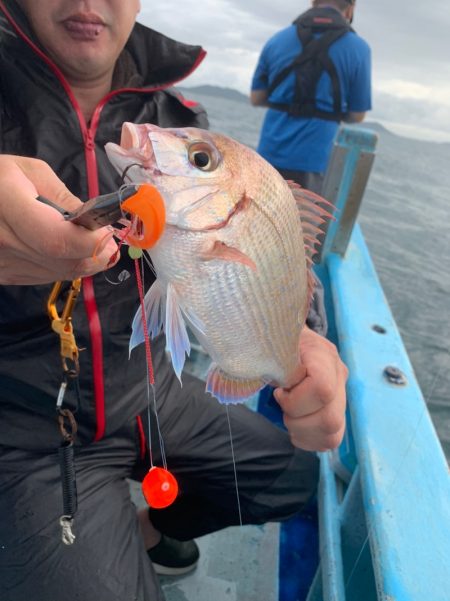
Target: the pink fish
pixel 233 263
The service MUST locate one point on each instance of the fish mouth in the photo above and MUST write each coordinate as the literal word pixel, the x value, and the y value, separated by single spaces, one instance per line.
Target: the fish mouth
pixel 145 156
pixel 134 141
pixel 134 157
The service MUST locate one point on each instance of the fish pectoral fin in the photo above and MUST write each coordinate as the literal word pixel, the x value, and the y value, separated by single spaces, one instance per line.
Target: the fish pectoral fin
pixel 153 306
pixel 177 337
pixel 222 251
pixel 228 389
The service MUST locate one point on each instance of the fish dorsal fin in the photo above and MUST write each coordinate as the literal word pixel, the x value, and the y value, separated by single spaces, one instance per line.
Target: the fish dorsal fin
pixel 154 307
pixel 177 338
pixel 314 212
pixel 228 389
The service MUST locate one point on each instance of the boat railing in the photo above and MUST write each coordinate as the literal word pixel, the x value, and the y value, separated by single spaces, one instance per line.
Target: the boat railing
pixel 384 499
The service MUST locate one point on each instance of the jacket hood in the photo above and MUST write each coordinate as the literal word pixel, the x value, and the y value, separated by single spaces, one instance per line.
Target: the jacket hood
pixel 160 60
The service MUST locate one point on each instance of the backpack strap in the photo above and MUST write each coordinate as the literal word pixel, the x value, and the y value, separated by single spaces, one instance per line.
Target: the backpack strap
pixel 310 64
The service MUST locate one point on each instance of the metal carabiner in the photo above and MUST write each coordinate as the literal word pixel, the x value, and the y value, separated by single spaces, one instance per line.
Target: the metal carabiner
pixel 62 325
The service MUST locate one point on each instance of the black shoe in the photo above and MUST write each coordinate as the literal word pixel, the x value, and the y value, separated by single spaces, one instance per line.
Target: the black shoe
pixel 171 557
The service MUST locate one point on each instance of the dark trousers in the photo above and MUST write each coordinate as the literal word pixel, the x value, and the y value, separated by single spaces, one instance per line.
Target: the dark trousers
pixel 108 561
pixel 307 179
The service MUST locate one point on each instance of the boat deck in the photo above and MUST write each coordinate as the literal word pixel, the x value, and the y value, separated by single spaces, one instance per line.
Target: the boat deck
pixel 235 564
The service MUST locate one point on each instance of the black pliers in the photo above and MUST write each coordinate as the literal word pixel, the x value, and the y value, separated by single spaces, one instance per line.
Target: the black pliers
pixel 96 212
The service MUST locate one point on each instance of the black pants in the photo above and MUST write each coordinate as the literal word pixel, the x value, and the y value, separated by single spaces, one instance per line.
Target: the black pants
pixel 108 561
pixel 307 179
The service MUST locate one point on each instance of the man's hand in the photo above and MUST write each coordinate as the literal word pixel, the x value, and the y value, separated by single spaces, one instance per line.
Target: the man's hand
pixel 37 245
pixel 258 98
pixel 314 407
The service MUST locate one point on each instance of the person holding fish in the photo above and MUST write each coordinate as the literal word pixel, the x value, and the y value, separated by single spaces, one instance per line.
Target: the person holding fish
pixel 312 75
pixel 71 73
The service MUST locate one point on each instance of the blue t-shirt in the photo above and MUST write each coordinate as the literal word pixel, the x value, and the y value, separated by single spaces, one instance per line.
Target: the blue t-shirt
pixel 305 144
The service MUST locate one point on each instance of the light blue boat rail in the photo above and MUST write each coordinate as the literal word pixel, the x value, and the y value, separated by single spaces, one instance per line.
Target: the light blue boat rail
pixel 384 499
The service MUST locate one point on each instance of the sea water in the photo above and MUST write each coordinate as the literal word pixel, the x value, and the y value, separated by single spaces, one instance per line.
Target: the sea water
pixel 405 218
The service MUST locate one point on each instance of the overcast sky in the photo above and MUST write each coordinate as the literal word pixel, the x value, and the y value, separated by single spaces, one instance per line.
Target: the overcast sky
pixel 410 50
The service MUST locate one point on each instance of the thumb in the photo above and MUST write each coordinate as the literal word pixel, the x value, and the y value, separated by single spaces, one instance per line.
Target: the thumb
pixel 296 377
pixel 47 183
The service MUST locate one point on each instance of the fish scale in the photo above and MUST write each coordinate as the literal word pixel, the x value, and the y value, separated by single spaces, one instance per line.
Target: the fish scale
pixel 231 263
pixel 243 301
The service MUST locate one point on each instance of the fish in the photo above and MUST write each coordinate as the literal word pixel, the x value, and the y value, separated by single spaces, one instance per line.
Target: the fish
pixel 233 264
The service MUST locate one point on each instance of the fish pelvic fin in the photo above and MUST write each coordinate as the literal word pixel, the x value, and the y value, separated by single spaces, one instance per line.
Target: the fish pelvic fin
pixel 163 312
pixel 177 338
pixel 228 389
pixel 153 306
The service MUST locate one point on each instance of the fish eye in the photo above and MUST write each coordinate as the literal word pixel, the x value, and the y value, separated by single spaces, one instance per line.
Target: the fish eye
pixel 201 159
pixel 202 156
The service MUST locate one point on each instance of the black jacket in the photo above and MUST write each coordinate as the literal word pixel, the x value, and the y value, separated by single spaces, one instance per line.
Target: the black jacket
pixel 38 118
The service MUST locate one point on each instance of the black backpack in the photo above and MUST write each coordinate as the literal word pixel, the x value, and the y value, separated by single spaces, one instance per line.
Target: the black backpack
pixel 309 65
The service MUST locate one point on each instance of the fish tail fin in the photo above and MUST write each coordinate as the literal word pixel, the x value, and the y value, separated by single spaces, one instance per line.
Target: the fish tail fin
pixel 228 389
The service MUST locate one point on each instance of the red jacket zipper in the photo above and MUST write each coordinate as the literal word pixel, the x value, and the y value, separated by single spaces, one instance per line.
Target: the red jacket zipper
pixel 88 284
pixel 95 329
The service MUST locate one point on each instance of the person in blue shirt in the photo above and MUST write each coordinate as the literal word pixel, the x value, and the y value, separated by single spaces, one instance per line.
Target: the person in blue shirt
pixel 311 75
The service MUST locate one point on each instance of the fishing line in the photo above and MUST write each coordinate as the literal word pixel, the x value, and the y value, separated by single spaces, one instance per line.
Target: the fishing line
pixel 149 263
pixel 160 436
pixel 149 365
pixel 122 277
pixel 142 273
pixel 396 475
pixel 149 425
pixel 150 373
pixel 125 171
pixel 234 466
pixel 161 440
pixel 149 420
pixel 159 486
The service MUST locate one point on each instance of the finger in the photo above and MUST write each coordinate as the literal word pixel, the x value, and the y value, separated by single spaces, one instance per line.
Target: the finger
pixel 102 262
pixel 328 419
pixel 312 393
pixel 19 269
pixel 47 183
pixel 300 400
pixel 39 226
pixel 325 428
pixel 44 231
pixel 26 273
pixel 295 378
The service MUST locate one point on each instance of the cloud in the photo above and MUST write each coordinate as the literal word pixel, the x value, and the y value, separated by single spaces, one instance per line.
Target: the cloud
pixel 412 117
pixel 410 47
pixel 401 88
